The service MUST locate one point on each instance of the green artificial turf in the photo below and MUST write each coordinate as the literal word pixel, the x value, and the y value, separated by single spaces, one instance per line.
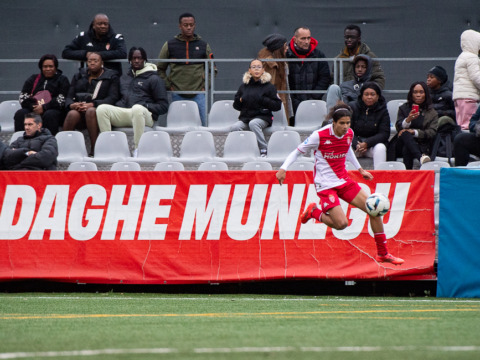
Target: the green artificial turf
pixel 159 326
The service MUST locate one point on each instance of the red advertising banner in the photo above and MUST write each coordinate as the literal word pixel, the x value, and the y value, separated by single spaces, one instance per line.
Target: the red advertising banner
pixel 197 227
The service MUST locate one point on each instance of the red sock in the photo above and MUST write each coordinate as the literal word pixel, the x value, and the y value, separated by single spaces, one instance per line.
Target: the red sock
pixel 317 214
pixel 381 242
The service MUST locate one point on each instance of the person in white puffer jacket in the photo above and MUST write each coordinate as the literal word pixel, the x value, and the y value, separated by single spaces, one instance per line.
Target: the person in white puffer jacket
pixel 466 84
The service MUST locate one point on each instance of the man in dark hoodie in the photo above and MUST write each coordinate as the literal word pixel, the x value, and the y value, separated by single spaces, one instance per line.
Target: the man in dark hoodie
pixel 36 150
pixel 349 91
pixel 441 92
pixel 99 38
pixel 303 74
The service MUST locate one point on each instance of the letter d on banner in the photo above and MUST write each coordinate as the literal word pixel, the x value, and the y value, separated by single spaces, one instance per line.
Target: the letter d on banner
pixel 15 225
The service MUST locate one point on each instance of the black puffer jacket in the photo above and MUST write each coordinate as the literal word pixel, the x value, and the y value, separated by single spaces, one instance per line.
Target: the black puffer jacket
pixel 144 87
pixel 351 89
pixel 108 93
pixel 307 75
pixel 259 99
pixel 111 46
pixel 43 142
pixel 442 101
pixel 57 86
pixel 370 124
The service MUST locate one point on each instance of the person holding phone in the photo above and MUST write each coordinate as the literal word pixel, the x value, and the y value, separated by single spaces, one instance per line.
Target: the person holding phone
pixel 416 125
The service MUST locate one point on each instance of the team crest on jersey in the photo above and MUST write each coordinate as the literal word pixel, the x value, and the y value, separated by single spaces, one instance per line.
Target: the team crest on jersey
pixel 349 141
pixel 331 198
pixel 107 46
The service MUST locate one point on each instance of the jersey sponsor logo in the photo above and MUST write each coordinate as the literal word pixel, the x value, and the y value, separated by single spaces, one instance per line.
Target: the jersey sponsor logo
pixel 332 155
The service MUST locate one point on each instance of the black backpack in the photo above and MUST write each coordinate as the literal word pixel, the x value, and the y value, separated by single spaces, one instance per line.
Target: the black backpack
pixel 443 141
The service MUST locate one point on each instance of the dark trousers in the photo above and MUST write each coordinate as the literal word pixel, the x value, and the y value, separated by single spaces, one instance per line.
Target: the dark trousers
pixel 410 149
pixel 51 119
pixel 464 145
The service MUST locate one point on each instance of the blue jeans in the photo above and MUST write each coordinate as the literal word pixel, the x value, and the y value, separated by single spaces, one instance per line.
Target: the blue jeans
pixel 199 99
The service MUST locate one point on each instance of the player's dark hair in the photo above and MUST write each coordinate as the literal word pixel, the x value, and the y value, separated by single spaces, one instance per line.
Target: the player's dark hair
pixel 339 110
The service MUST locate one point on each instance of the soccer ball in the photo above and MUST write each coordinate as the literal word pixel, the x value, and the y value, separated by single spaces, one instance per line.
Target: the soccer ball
pixel 377 204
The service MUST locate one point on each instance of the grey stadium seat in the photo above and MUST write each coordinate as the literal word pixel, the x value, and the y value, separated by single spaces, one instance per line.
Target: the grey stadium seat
pixel 71 147
pixel 153 147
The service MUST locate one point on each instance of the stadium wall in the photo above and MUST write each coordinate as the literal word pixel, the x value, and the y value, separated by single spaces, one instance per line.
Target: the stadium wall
pixel 235 29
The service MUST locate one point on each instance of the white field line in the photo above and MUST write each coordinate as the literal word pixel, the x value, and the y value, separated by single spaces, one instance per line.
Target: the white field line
pixel 252 350
pixel 213 298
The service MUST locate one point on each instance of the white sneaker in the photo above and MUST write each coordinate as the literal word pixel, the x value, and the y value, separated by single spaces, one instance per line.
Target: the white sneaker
pixel 135 153
pixel 424 159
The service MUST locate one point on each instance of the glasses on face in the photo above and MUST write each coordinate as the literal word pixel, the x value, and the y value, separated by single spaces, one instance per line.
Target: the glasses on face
pixel 257 67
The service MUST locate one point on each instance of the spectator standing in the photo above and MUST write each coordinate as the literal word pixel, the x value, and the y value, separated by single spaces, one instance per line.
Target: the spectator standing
pixel 354 46
pixel 186 76
pixel 304 74
pixel 466 83
pixel 36 150
pixel 468 143
pixel 370 124
pixel 276 48
pixel 90 88
pixel 44 94
pixel 143 98
pixel 416 125
pixel 100 38
pixel 438 85
pixel 256 98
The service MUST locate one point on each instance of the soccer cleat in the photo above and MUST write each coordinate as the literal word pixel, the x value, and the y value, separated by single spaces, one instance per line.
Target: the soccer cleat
pixel 307 214
pixel 389 258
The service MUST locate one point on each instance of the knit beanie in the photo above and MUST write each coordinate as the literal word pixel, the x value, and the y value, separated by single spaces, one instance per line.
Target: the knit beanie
pixel 440 73
pixel 274 41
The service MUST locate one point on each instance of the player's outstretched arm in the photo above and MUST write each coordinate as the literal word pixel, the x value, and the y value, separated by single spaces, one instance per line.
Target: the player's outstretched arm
pixel 366 175
pixel 281 175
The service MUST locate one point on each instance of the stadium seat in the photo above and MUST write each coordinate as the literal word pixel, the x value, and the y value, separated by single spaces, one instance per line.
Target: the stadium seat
pixel 391 165
pixel 196 147
pixel 436 166
pixel 279 123
pixel 301 166
pixel 281 144
pixel 257 166
pixel 71 147
pixel 222 115
pixel 82 166
pixel 111 147
pixel 473 165
pixel 240 147
pixel 182 116
pixel 126 166
pixel 169 166
pixel 310 116
pixel 8 108
pixel 15 136
pixel 213 166
pixel 392 107
pixel 153 147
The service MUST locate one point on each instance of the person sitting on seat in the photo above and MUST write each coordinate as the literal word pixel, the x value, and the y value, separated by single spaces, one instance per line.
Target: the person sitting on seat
pixel 90 88
pixel 36 150
pixel 143 98
pixel 256 99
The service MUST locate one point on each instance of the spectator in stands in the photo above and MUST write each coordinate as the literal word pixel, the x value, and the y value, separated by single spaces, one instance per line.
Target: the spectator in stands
pixel 466 84
pixel 256 99
pixel 44 94
pixel 438 85
pixel 99 38
pixel 143 98
pixel 416 125
pixel 348 91
pixel 354 46
pixel 276 48
pixel 188 76
pixel 306 75
pixel 370 124
pixel 468 143
pixel 90 88
pixel 35 150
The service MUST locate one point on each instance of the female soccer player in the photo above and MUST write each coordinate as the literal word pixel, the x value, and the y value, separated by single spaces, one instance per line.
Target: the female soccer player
pixel 332 146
